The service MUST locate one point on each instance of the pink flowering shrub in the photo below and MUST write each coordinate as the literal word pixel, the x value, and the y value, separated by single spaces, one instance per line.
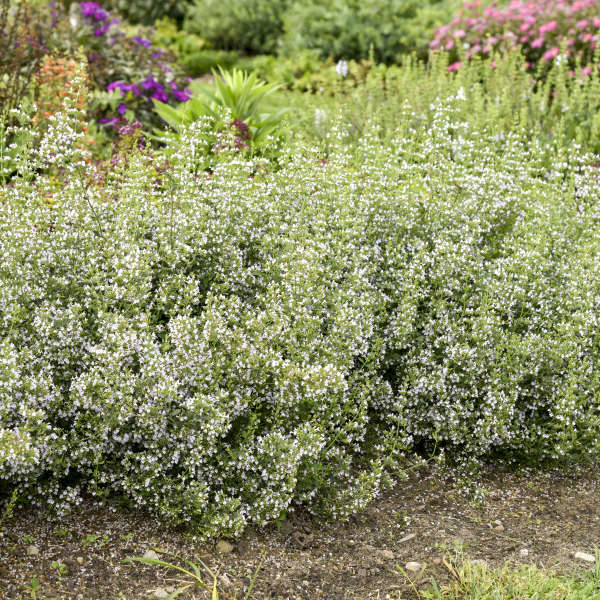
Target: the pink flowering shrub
pixel 542 30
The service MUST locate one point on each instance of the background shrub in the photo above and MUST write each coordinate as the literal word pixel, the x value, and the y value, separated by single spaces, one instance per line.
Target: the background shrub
pixel 252 26
pixel 148 11
pixel 347 29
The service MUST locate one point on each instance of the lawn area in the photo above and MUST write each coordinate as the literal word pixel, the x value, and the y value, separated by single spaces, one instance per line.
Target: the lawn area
pixel 264 283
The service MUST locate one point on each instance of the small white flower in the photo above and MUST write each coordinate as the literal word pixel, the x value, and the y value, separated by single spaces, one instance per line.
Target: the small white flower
pixel 320 116
pixel 341 68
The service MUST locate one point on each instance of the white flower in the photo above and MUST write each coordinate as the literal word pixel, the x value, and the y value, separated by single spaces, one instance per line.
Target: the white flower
pixel 341 68
pixel 320 116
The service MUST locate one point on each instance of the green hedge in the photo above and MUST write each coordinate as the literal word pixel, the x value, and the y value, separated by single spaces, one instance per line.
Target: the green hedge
pixel 251 26
pixel 349 29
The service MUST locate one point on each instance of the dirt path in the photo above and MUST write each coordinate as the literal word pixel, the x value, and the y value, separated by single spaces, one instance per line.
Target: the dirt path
pixel 550 516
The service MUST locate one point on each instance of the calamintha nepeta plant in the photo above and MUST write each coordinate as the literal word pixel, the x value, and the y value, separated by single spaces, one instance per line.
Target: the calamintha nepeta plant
pixel 221 347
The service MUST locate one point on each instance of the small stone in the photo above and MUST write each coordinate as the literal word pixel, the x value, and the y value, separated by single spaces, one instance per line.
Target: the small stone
pixel 33 551
pixel 437 561
pixel 584 556
pixel 387 554
pixel 413 566
pixel 407 538
pixel 523 553
pixel 480 562
pixel 160 593
pixel 362 572
pixel 498 526
pixel 151 554
pixel 224 547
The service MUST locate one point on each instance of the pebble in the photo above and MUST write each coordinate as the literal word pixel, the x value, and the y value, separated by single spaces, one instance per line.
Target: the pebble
pixel 387 554
pixel 33 551
pixel 585 557
pixel 160 593
pixel 437 561
pixel 498 525
pixel 407 538
pixel 523 553
pixel 413 567
pixel 224 547
pixel 152 555
pixel 479 561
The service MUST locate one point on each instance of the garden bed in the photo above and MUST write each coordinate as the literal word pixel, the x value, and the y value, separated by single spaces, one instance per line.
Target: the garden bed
pixel 426 519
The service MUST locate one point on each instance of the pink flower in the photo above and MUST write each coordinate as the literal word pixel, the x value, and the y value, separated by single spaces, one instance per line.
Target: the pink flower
pixel 449 45
pixel 548 27
pixel 586 71
pixel 550 54
pixel 454 66
pixel 596 22
pixel 537 43
pixel 582 24
pixel 460 33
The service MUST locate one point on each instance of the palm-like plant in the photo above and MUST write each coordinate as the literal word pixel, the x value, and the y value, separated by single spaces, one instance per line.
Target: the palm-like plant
pixel 247 98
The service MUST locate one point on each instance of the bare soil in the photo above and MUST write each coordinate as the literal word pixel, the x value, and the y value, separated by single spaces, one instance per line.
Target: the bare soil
pixel 552 515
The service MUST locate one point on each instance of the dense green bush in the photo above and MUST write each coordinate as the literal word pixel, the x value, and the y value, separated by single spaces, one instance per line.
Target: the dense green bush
pixel 221 347
pixel 252 26
pixel 148 11
pixel 348 29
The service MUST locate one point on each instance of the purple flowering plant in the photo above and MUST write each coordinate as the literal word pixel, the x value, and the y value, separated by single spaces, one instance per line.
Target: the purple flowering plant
pixel 127 71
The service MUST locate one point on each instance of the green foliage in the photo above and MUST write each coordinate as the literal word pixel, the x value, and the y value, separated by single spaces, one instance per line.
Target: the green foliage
pixel 148 11
pixel 194 574
pixel 348 29
pixel 245 97
pixel 204 61
pixel 474 581
pixel 252 26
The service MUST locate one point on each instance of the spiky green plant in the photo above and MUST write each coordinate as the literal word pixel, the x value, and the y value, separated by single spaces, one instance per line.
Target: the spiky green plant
pixel 243 95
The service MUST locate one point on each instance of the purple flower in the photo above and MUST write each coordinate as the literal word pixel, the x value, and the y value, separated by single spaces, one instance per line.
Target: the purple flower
pixel 150 83
pixel 93 10
pixel 122 109
pixel 242 129
pixel 182 95
pixel 160 95
pixel 113 85
pixel 141 41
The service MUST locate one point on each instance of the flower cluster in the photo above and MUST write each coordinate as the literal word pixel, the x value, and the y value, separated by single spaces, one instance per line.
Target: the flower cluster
pixel 222 347
pixel 542 29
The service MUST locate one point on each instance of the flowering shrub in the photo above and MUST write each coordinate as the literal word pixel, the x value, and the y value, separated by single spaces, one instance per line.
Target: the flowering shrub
pixel 128 65
pixel 222 347
pixel 542 29
pixel 23 29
